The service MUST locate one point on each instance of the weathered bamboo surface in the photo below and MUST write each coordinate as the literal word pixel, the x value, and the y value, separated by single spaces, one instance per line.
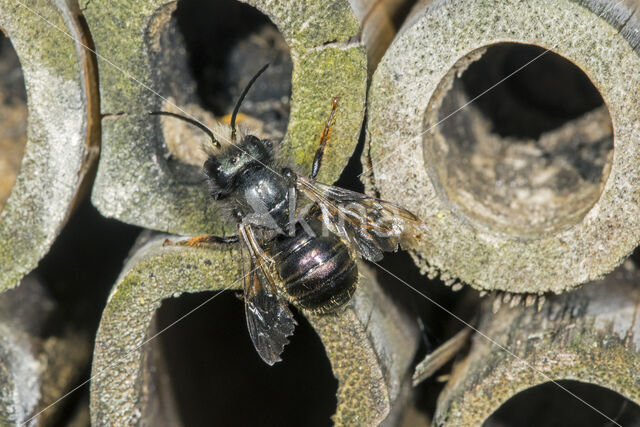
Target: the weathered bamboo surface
pixel 369 345
pixel 512 205
pixel 591 335
pixel 62 131
pixel 137 180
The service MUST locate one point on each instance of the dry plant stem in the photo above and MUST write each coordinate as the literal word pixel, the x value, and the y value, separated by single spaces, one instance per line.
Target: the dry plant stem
pixel 380 20
pixel 440 356
pixel 566 238
pixel 591 335
pixel 370 344
pixel 62 131
pixel 35 367
pixel 134 183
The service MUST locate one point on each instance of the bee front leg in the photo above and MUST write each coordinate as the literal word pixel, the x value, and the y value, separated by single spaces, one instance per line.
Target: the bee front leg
pixel 204 241
pixel 324 137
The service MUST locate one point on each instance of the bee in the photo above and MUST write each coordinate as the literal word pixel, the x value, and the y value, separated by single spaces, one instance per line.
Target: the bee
pixel 299 253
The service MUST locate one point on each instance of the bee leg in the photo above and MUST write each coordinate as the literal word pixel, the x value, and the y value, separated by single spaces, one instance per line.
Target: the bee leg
pixel 207 241
pixel 324 137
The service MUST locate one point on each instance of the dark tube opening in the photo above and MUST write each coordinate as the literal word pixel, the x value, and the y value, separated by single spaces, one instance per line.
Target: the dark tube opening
pixel 549 405
pixel 207 371
pixel 206 52
pixel 521 140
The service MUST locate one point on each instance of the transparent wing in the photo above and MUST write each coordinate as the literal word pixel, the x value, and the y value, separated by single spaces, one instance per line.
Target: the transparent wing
pixel 269 319
pixel 371 226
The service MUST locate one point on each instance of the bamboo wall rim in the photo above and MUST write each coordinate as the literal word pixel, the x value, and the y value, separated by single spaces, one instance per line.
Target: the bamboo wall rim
pixel 402 87
pixel 62 132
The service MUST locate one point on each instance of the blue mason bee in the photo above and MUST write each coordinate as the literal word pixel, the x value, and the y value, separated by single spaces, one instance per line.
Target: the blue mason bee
pixel 299 253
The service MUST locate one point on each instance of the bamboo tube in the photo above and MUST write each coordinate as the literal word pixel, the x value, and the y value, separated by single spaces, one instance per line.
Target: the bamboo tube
pixel 589 335
pixel 369 345
pixel 36 365
pixel 138 180
pixel 379 23
pixel 62 130
pixel 521 189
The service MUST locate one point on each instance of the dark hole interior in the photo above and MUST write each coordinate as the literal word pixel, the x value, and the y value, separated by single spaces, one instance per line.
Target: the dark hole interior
pixel 542 92
pixel 77 274
pixel 227 42
pixel 436 325
pixel 548 405
pixel 521 140
pixel 204 54
pixel 13 117
pixel 218 378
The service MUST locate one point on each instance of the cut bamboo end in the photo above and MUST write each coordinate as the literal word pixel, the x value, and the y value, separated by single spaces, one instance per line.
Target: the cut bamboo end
pixel 369 345
pixel 142 181
pixel 537 199
pixel 589 335
pixel 62 131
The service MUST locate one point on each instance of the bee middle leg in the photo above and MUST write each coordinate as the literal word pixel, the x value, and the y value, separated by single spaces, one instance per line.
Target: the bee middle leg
pixel 324 137
pixel 206 241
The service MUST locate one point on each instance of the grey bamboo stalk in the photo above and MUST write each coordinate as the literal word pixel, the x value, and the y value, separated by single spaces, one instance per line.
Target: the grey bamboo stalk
pixel 370 344
pixel 590 335
pixel 136 180
pixel 62 130
pixel 514 213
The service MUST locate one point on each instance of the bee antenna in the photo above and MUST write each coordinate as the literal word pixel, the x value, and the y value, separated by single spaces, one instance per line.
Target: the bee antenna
pixel 242 95
pixel 190 121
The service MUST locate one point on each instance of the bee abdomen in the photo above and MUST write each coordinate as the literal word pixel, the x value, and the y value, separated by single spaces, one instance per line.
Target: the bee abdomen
pixel 318 273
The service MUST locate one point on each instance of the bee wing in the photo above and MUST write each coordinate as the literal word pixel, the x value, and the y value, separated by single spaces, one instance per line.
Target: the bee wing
pixel 371 226
pixel 269 319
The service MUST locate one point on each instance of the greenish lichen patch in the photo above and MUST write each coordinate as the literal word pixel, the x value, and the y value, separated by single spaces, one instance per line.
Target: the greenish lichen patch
pixel 318 76
pixel 311 23
pixel 41 21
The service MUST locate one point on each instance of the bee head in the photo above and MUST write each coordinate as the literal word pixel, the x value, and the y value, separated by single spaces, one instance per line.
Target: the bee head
pixel 233 152
pixel 225 164
pixel 230 151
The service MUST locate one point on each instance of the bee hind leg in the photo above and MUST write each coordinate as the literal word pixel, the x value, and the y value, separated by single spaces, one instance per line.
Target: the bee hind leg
pixel 324 137
pixel 206 241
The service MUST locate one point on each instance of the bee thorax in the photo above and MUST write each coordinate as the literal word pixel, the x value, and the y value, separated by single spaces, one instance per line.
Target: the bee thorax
pixel 264 198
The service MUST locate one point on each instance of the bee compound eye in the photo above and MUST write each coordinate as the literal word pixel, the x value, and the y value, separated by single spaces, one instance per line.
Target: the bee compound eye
pixel 211 167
